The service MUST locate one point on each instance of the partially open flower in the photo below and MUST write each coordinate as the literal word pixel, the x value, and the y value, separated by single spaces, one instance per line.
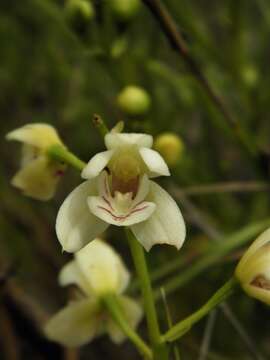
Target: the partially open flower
pixel 38 175
pixel 253 270
pixel 121 195
pixel 97 271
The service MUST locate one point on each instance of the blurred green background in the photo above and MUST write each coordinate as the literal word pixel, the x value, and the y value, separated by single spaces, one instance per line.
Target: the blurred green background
pixel 60 63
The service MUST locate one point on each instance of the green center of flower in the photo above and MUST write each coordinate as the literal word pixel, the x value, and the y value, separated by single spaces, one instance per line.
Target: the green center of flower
pixel 126 167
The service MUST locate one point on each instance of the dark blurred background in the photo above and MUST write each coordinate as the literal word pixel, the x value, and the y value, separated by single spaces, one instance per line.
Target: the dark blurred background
pixel 60 64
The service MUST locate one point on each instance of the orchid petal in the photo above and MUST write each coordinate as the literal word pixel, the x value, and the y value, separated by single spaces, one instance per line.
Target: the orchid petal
pixel 103 268
pixel 75 325
pixel 143 189
pixel 261 240
pixel 71 274
pixel 116 140
pixel 38 135
pixel 257 293
pixel 257 264
pixel 37 179
pixel 154 162
pixel 107 211
pixel 97 164
pixel 75 225
pixel 165 226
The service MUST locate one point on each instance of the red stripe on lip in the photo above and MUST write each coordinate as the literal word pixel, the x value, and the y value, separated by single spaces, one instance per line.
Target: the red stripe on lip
pixel 123 217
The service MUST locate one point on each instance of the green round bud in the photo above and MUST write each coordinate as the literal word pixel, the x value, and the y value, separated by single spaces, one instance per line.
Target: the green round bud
pixel 79 8
pixel 170 146
pixel 134 100
pixel 250 75
pixel 125 9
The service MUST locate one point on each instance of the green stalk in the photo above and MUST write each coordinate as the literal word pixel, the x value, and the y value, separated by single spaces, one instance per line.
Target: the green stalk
pixel 60 153
pixel 183 326
pixel 137 252
pixel 112 304
pixel 215 254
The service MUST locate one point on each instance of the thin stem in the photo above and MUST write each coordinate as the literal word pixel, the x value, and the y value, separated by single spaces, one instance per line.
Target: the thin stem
pixel 112 304
pixel 60 153
pixel 183 326
pixel 208 332
pixel 214 234
pixel 218 251
pixel 169 321
pixel 175 38
pixel 227 187
pixel 137 252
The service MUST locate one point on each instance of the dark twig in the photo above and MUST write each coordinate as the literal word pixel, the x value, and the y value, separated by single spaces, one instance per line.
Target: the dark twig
pixel 10 347
pixel 175 38
pixel 208 332
pixel 227 187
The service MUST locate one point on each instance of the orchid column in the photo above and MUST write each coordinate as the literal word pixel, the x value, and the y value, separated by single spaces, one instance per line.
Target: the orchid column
pixel 118 191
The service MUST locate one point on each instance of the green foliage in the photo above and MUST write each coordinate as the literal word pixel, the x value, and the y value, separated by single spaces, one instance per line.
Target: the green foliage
pixel 62 72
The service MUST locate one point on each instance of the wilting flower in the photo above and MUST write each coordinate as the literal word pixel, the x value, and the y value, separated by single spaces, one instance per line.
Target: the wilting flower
pixel 38 175
pixel 253 270
pixel 97 270
pixel 121 195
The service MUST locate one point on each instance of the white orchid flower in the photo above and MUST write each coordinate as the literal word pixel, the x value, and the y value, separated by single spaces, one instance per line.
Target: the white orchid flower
pixel 38 176
pixel 253 270
pixel 97 270
pixel 122 195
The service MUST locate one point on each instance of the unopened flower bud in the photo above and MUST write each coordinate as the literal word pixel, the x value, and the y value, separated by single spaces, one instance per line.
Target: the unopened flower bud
pixel 125 9
pixel 253 270
pixel 134 100
pixel 170 146
pixel 82 9
pixel 250 75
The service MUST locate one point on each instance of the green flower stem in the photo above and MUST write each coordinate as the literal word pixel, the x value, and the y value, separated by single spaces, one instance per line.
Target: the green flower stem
pixel 60 153
pixel 112 304
pixel 215 254
pixel 160 351
pixel 183 326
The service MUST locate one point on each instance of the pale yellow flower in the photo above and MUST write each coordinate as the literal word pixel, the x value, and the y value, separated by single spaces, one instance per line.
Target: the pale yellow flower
pixel 97 270
pixel 38 175
pixel 118 191
pixel 253 270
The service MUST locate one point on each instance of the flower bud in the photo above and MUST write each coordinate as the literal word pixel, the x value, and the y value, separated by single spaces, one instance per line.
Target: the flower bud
pixel 82 9
pixel 170 146
pixel 250 75
pixel 253 270
pixel 125 9
pixel 134 100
